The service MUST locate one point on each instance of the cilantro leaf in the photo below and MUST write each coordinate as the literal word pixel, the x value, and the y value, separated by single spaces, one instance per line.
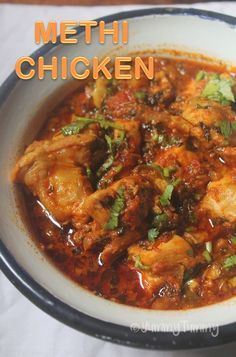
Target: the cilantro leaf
pixel 164 171
pixel 227 128
pixel 207 256
pixel 75 127
pixel 80 123
pixel 230 262
pixel 167 194
pixel 140 95
pixel 138 263
pixel 219 90
pixel 200 75
pixel 116 209
pixel 153 233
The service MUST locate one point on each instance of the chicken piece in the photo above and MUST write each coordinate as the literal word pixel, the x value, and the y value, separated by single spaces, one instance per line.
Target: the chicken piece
pixel 162 263
pixel 92 217
pixel 48 168
pixel 96 206
pixel 201 119
pixel 164 255
pixel 77 149
pixel 187 165
pixel 58 186
pixel 228 154
pixel 201 110
pixel 118 245
pixel 220 199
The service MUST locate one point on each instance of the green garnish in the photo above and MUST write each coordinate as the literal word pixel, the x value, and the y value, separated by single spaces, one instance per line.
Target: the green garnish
pixel 160 219
pixel 81 123
pixel 75 127
pixel 153 233
pixel 158 223
pixel 233 239
pixel 167 194
pixel 230 262
pixel 200 75
pixel 138 263
pixel 116 209
pixel 209 247
pixel 219 90
pixel 140 95
pixel 165 140
pixel 207 256
pixel 105 166
pixel 89 173
pixel 164 171
pixel 227 128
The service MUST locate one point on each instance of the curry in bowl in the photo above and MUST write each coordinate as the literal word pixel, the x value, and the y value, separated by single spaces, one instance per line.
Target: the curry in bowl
pixel 131 186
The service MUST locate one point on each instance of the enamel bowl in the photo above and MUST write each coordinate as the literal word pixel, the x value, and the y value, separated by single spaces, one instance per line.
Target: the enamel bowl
pixel 23 107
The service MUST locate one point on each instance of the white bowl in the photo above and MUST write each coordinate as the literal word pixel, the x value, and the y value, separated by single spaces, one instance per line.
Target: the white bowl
pixel 23 107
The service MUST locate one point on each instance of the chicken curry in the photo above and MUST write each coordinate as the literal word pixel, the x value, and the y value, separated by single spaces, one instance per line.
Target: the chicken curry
pixel 131 186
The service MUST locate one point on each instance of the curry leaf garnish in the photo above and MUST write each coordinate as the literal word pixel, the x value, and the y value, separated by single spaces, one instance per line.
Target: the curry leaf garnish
pixel 167 194
pixel 153 233
pixel 116 209
pixel 219 90
pixel 230 262
pixel 227 128
pixel 81 123
pixel 138 263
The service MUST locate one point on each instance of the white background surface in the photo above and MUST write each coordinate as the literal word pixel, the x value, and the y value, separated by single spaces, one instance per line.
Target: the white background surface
pixel 26 331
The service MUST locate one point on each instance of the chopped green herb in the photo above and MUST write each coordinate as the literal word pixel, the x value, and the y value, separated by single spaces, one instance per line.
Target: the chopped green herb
pixel 160 219
pixel 89 173
pixel 105 166
pixel 109 143
pixel 200 75
pixel 75 127
pixel 164 171
pixel 81 123
pixel 233 239
pixel 153 233
pixel 209 247
pixel 207 256
pixel 138 263
pixel 227 128
pixel 116 209
pixel 219 90
pixel 167 194
pixel 230 262
pixel 140 95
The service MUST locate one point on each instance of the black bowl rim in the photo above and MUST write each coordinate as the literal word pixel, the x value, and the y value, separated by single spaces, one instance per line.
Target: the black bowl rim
pixel 66 314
